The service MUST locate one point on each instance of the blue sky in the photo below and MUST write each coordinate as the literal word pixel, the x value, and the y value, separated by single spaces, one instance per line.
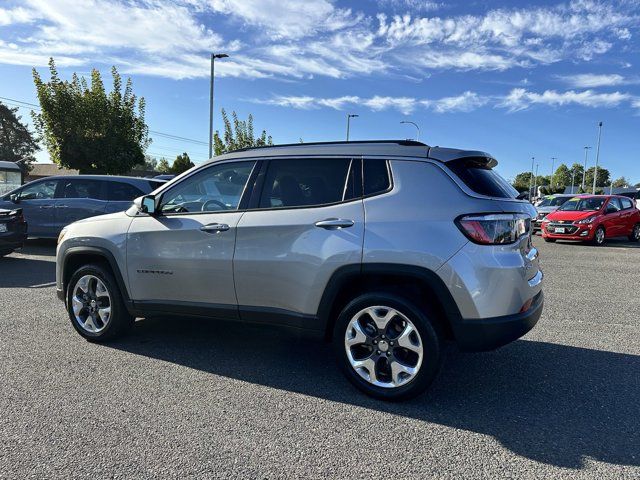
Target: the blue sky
pixel 517 79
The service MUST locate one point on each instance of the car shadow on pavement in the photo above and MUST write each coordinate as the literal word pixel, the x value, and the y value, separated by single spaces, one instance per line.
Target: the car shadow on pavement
pixel 22 271
pixel 555 404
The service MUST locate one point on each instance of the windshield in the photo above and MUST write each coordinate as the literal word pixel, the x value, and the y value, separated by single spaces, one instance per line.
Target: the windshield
pixel 583 204
pixel 553 201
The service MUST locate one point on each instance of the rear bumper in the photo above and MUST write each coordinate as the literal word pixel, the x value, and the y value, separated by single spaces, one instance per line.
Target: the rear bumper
pixel 483 334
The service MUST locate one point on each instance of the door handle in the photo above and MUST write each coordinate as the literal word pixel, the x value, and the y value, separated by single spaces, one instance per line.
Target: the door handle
pixel 45 206
pixel 334 223
pixel 215 227
pixel 62 206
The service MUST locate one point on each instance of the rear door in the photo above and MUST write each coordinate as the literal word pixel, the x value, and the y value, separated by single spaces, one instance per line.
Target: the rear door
pixel 306 222
pixel 612 222
pixel 79 198
pixel 628 216
pixel 38 206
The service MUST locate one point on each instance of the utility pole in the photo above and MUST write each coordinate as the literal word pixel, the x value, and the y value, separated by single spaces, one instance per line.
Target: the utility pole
pixel 349 117
pixel 535 182
pixel 553 163
pixel 584 170
pixel 213 58
pixel 595 173
pixel 531 179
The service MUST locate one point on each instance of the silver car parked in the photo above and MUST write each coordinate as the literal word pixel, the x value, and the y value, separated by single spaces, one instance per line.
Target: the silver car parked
pixel 385 248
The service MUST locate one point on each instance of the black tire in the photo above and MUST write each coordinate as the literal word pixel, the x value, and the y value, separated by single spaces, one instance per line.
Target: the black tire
pixel 120 321
pixel 549 240
pixel 598 240
pixel 635 233
pixel 430 340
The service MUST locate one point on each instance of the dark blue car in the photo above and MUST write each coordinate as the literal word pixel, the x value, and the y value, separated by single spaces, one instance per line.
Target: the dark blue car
pixel 51 203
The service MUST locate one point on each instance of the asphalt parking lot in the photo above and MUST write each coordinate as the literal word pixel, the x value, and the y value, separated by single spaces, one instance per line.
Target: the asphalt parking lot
pixel 190 398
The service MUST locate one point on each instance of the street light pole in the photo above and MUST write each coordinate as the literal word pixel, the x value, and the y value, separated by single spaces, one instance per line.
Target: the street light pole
pixel 535 181
pixel 595 173
pixel 573 177
pixel 531 179
pixel 349 117
pixel 553 163
pixel 415 125
pixel 213 57
pixel 584 170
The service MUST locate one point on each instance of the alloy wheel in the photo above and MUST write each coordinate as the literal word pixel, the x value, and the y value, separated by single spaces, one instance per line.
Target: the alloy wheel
pixel 599 236
pixel 636 232
pixel 91 304
pixel 383 346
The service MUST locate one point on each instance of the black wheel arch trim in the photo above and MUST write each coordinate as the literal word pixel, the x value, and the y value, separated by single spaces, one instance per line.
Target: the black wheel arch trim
pixel 111 260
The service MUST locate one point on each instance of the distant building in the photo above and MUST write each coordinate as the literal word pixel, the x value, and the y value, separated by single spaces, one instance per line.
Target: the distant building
pixel 607 190
pixel 10 176
pixel 43 170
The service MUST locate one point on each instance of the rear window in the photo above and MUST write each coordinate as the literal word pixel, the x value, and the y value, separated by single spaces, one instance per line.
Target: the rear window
pixel 481 178
pixel 122 192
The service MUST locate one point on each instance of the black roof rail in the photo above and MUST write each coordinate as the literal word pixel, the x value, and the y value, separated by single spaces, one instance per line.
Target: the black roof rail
pixel 409 143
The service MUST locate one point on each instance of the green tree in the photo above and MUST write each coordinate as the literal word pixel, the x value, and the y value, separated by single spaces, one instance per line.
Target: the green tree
pixel 562 176
pixel 576 170
pixel 601 181
pixel 239 135
pixel 621 182
pixel 87 129
pixel 17 144
pixel 522 181
pixel 182 163
pixel 149 164
pixel 163 166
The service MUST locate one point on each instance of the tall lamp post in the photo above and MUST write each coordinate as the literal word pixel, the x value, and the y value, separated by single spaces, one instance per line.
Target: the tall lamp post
pixel 573 177
pixel 533 159
pixel 535 182
pixel 595 173
pixel 553 163
pixel 415 125
pixel 213 58
pixel 349 117
pixel 584 170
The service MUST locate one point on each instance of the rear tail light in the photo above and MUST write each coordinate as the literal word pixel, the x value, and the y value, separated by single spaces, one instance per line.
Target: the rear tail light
pixel 494 228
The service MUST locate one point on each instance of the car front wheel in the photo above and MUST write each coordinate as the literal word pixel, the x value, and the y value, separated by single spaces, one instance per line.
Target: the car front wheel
pixel 387 346
pixel 95 305
pixel 599 236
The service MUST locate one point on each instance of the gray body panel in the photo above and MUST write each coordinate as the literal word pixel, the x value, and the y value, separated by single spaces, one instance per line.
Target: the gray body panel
pixel 284 261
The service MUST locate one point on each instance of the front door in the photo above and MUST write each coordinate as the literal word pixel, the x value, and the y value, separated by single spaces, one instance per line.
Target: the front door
pixel 38 206
pixel 183 256
pixel 308 223
pixel 612 221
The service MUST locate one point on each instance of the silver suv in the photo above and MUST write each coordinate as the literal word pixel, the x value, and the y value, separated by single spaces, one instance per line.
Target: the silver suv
pixel 385 248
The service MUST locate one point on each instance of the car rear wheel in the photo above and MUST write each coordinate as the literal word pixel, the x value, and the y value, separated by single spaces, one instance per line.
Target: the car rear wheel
pixel 599 236
pixel 95 305
pixel 635 233
pixel 387 346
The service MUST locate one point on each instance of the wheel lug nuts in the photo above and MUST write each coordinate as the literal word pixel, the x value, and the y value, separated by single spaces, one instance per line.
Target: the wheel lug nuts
pixel 388 354
pixel 382 336
pixel 390 343
pixel 378 352
pixel 375 341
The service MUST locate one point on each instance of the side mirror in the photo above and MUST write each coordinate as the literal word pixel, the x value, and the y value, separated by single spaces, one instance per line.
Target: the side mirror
pixel 146 204
pixel 15 198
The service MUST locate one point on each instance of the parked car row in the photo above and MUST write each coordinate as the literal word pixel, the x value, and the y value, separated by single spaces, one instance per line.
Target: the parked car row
pixel 592 218
pixel 49 204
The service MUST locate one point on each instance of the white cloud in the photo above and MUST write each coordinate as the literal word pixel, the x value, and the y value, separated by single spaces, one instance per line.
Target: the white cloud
pixel 305 38
pixel 466 102
pixel 521 99
pixel 592 80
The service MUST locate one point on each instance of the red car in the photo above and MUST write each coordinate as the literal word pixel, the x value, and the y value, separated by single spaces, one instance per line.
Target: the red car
pixel 593 218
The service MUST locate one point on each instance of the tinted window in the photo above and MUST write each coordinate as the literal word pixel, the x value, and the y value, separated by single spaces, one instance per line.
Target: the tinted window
pixel 614 205
pixel 583 204
pixel 304 182
pixel 213 189
pixel 40 190
pixel 376 176
pixel 122 192
pixel 551 201
pixel 154 184
pixel 81 188
pixel 626 203
pixel 481 179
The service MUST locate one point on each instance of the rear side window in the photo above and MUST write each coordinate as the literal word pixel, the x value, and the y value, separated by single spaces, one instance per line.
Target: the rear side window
pixel 122 192
pixel 81 188
pixel 626 203
pixel 306 182
pixel 614 205
pixel 376 176
pixel 482 179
